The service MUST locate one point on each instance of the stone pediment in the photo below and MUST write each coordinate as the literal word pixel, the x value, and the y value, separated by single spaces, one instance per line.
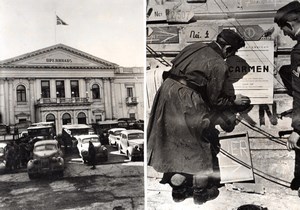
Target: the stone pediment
pixel 58 56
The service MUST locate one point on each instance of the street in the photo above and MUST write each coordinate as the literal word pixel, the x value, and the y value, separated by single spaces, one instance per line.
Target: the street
pixel 117 184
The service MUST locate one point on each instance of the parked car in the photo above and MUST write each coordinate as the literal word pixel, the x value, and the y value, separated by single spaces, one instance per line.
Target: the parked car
pixel 2 157
pixel 101 128
pixel 114 136
pixel 83 147
pixel 70 134
pixel 2 151
pixel 47 158
pixel 132 144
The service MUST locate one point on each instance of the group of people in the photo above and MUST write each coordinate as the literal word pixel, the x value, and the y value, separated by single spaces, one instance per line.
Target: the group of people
pixel 182 141
pixel 16 155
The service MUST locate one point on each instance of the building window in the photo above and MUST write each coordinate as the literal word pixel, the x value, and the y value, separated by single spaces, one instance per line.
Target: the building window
pixel 129 92
pixel 60 89
pixel 22 120
pixel 98 117
pixel 50 118
pixel 81 118
pixel 132 115
pixel 96 91
pixel 21 93
pixel 74 88
pixel 66 119
pixel 45 86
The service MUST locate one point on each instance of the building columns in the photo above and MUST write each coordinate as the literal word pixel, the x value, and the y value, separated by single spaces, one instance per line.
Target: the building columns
pixel 3 112
pixel 31 99
pixel 107 98
pixel 11 104
pixel 113 105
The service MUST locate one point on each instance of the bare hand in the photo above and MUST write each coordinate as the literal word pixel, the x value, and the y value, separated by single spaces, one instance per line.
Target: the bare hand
pixel 292 141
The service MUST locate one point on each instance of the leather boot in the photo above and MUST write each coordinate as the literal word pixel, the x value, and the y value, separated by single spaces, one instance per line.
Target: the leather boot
pixel 181 190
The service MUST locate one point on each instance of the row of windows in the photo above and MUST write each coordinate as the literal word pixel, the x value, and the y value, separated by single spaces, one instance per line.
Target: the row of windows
pixel 66 118
pixel 60 90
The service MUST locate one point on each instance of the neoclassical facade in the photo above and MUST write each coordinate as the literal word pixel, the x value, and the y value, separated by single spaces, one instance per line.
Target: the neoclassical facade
pixel 65 85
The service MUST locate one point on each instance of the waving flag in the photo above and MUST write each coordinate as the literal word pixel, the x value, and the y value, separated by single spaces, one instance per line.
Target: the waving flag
pixel 60 21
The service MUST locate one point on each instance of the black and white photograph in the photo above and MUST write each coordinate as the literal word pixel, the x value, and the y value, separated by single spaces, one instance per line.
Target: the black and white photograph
pixel 222 104
pixel 72 104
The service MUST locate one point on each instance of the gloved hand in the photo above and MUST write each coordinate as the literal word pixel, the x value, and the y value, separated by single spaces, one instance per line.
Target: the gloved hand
pixel 241 103
pixel 242 100
pixel 226 120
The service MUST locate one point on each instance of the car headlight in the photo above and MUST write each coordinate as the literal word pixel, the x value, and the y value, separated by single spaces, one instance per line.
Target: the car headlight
pixel 84 152
pixel 36 162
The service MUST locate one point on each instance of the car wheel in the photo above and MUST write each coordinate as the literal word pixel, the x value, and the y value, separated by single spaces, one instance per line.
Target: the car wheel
pixel 129 156
pixel 32 176
pixel 60 174
pixel 120 149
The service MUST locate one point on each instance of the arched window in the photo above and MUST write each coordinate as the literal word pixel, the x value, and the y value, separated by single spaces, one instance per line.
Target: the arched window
pixel 21 93
pixel 81 118
pixel 50 118
pixel 66 119
pixel 96 91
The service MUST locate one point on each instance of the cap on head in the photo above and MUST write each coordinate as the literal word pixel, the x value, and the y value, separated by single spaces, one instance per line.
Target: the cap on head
pixel 281 15
pixel 232 38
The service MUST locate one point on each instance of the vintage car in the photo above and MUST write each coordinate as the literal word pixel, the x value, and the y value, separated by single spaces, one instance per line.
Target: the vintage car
pixel 2 157
pixel 114 136
pixel 47 158
pixel 83 147
pixel 70 134
pixel 132 144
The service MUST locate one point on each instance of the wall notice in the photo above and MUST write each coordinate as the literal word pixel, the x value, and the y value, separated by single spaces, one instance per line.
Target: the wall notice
pixel 235 159
pixel 251 71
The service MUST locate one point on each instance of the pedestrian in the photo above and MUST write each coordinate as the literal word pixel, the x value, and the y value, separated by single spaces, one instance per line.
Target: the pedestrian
pixel 92 155
pixel 10 157
pixel 288 19
pixel 180 129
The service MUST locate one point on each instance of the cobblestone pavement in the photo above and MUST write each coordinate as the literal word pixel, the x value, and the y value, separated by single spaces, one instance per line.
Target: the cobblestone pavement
pixel 159 198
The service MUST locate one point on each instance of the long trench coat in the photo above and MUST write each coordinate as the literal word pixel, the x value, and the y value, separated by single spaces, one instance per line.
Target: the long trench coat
pixel 180 116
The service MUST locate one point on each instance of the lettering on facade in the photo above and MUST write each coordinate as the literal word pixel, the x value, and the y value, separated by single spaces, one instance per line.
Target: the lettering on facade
pixel 58 60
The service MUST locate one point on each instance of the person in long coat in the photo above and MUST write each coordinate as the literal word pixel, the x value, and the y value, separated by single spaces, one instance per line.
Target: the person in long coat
pixel 178 142
pixel 288 19
pixel 92 155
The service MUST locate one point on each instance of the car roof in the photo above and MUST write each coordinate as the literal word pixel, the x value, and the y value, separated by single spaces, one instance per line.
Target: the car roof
pixel 132 131
pixel 88 136
pixel 38 127
pixel 117 129
pixel 45 142
pixel 76 126
pixel 2 145
pixel 41 124
pixel 107 122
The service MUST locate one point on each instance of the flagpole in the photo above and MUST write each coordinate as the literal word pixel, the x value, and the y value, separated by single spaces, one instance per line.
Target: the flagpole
pixel 55 26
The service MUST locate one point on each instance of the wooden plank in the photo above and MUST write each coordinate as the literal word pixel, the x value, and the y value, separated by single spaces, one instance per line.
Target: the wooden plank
pixel 236 146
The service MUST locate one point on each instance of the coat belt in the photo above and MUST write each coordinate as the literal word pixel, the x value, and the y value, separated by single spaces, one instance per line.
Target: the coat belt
pixel 199 89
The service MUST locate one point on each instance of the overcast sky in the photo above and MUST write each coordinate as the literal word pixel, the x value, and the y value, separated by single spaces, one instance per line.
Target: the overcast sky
pixel 112 30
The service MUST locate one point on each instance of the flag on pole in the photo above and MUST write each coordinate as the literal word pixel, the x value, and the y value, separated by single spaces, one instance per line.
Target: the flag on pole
pixel 60 21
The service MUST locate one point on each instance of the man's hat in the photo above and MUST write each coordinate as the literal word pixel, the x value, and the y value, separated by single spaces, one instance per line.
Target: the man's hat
pixel 232 38
pixel 280 16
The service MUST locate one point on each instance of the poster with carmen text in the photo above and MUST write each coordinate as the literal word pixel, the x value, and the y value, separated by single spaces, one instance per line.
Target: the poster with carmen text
pixel 251 71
